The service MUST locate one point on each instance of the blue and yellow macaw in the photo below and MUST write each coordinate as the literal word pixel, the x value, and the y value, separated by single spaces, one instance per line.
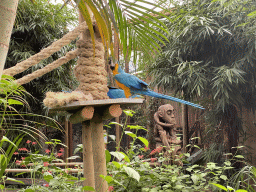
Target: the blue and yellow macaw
pixel 133 85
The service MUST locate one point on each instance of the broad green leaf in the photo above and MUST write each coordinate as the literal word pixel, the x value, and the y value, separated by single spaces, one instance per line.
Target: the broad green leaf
pixel 228 163
pixel 3 101
pixel 132 173
pixel 107 178
pixel 113 137
pixel 230 188
pixel 117 155
pixel 239 156
pixel 14 180
pixel 131 134
pixel 74 157
pixel 115 123
pixel 220 186
pixel 108 156
pixel 241 190
pixel 144 141
pixel 14 102
pixel 7 140
pixel 195 179
pixel 48 177
pixel 252 14
pixel 136 127
pixel 129 113
pixel 1 186
pixel 118 166
pixel 224 177
pixel 126 158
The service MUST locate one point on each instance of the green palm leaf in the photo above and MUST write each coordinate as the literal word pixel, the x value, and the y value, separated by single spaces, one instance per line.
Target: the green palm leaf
pixel 136 24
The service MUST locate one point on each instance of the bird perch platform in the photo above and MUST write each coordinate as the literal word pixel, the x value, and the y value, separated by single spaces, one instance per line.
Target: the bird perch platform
pixel 92 114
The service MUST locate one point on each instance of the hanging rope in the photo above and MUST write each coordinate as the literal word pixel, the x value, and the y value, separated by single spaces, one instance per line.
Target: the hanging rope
pixel 90 69
pixel 47 52
pixel 70 55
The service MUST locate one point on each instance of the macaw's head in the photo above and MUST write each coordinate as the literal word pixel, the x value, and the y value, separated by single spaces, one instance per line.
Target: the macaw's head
pixel 115 69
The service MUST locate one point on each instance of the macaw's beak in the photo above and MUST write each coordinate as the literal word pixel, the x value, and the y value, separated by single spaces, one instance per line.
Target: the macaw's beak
pixel 110 62
pixel 112 67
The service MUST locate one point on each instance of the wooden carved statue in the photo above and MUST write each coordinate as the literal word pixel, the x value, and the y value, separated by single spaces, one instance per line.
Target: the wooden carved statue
pixel 165 130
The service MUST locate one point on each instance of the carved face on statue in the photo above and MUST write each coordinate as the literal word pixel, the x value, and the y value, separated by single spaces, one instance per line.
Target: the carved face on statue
pixel 165 116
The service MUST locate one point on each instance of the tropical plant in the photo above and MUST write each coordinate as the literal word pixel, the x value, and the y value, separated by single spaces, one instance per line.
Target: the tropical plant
pixel 15 112
pixel 6 156
pixel 36 27
pixel 211 57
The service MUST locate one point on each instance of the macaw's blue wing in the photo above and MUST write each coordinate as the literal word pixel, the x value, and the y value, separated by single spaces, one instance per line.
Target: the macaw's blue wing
pixel 130 81
pixel 115 93
pixel 158 95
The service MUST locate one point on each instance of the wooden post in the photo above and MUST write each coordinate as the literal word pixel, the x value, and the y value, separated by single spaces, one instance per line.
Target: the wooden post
pixel 185 126
pixel 88 163
pixel 98 152
pixel 117 119
pixel 70 139
pixel 66 140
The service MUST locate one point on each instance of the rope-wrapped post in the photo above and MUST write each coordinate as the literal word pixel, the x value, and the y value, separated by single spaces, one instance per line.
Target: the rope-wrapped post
pixel 90 69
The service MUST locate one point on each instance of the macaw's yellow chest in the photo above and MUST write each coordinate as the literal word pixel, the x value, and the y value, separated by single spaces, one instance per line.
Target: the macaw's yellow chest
pixel 127 90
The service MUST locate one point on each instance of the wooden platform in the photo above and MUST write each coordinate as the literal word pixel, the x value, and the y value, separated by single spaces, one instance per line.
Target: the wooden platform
pixel 97 103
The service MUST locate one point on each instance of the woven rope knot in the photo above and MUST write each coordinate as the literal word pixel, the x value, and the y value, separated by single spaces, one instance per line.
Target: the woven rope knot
pixel 90 69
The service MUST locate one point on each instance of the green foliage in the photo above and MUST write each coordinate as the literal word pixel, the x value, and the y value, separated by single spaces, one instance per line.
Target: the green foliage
pixel 137 170
pixel 5 157
pixel 36 27
pixel 207 55
pixel 15 112
pixel 210 57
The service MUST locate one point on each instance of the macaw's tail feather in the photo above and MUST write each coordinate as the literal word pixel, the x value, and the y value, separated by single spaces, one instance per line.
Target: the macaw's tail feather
pixel 158 95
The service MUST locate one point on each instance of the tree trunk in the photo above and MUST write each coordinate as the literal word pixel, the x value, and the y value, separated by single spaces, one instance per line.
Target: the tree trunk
pixel 8 10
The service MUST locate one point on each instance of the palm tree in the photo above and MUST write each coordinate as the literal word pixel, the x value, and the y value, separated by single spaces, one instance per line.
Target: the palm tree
pixel 138 27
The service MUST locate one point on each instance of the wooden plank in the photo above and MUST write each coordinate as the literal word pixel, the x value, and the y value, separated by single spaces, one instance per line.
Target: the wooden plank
pixel 58 164
pixel 97 103
pixel 31 170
